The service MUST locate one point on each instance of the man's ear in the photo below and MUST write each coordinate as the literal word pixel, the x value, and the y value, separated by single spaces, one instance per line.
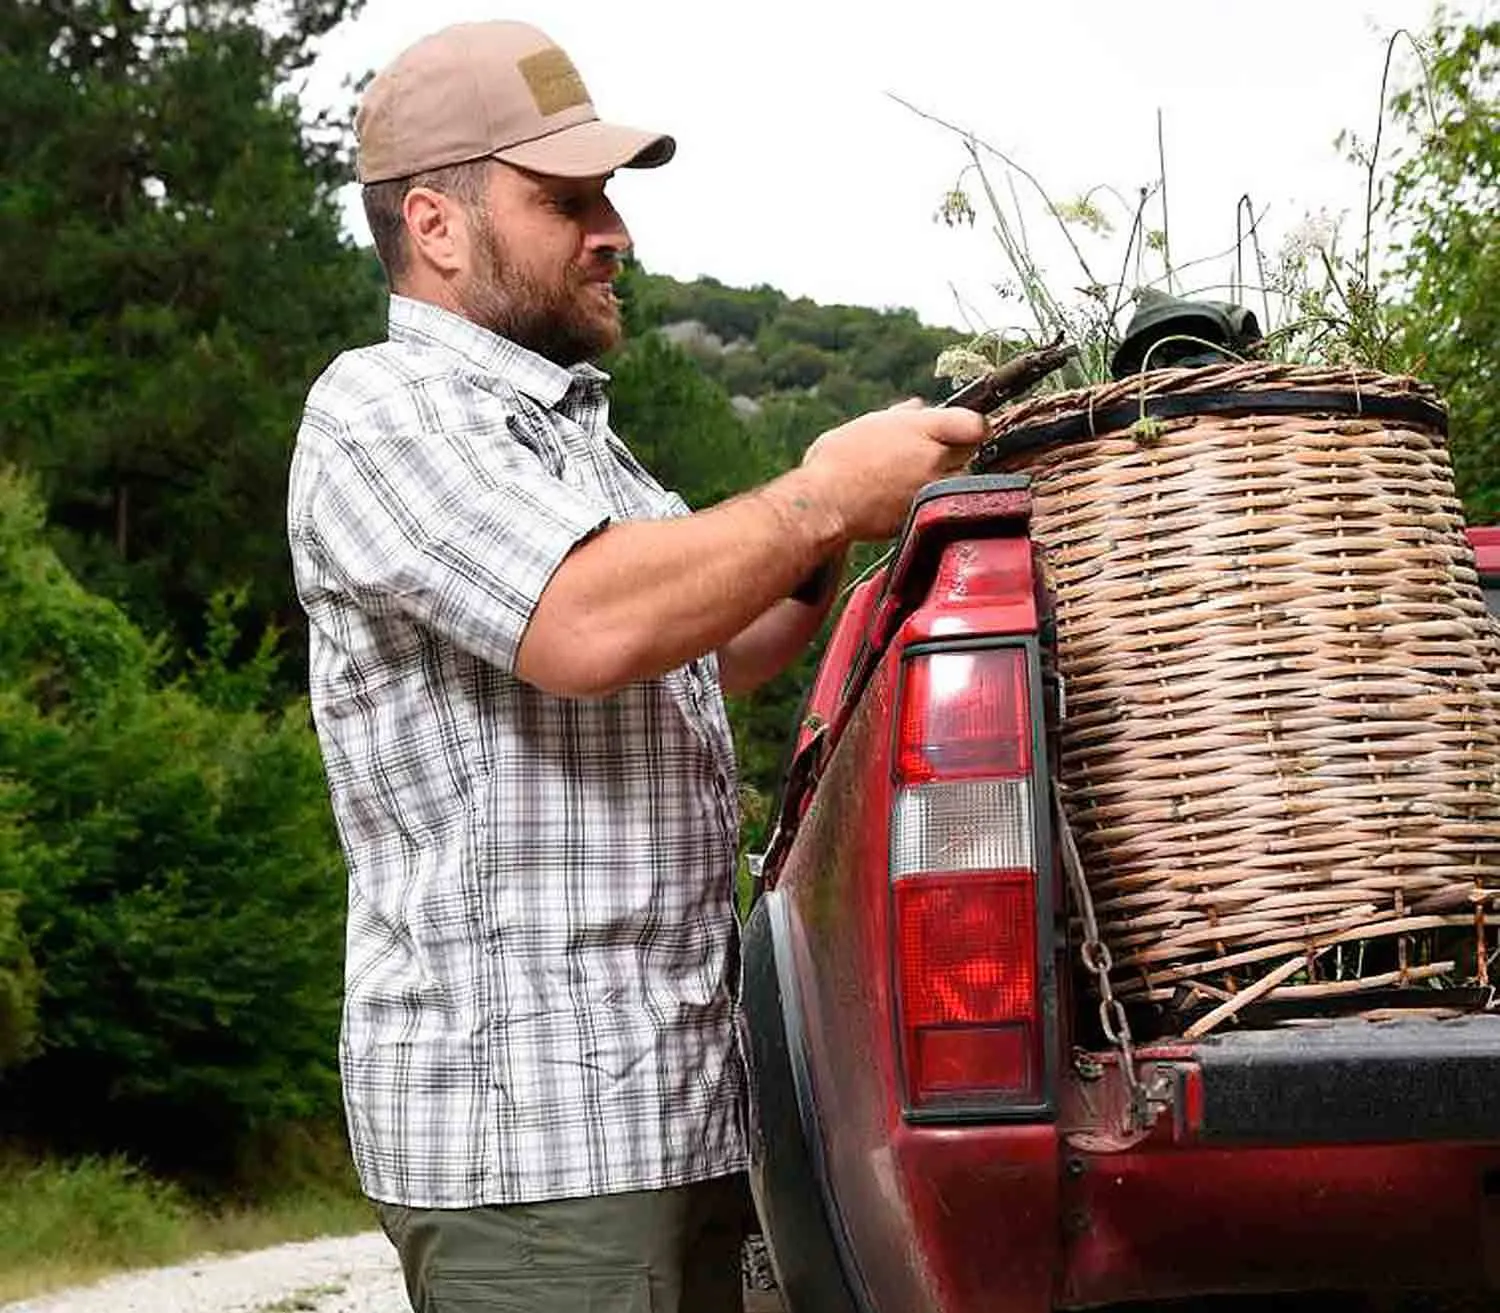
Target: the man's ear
pixel 437 228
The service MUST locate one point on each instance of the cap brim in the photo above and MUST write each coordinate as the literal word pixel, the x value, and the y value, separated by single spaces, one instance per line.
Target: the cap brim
pixel 590 150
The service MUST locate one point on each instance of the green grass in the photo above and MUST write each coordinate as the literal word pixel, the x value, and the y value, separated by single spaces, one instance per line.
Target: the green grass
pixel 66 1223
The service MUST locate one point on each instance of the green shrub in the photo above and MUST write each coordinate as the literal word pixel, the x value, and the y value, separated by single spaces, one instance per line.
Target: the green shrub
pixel 66 1223
pixel 171 859
pixel 19 984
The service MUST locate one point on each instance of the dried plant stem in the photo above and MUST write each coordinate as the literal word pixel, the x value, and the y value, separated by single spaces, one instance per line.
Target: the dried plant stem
pixel 1373 162
pixel 1235 250
pixel 1248 995
pixel 1131 241
pixel 1241 206
pixel 1166 225
pixel 975 143
pixel 1048 316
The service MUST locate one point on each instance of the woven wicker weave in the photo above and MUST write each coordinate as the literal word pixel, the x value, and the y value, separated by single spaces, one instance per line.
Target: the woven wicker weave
pixel 1282 738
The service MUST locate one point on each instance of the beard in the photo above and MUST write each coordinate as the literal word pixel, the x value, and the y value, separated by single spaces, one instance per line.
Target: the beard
pixel 572 319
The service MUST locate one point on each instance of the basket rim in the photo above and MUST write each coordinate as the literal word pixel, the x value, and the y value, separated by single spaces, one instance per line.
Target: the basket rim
pixel 1091 423
pixel 1353 389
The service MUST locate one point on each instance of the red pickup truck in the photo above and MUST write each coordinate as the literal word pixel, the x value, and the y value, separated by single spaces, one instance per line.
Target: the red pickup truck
pixel 943 1123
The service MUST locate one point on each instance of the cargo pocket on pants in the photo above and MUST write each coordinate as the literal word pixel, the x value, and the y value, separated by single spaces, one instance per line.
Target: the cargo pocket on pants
pixel 561 1290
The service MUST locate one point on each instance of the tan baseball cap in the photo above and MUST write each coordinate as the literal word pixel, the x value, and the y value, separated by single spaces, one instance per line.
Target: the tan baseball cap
pixel 500 89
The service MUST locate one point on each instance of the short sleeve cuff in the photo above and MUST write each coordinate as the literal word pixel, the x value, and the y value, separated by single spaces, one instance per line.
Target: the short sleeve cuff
pixel 516 539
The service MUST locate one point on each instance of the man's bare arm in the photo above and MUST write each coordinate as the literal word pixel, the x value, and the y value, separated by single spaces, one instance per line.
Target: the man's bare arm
pixel 641 598
pixel 645 596
pixel 774 639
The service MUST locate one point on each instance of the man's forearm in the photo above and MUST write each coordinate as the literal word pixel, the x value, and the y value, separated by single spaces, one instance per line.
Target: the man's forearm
pixel 771 642
pixel 645 596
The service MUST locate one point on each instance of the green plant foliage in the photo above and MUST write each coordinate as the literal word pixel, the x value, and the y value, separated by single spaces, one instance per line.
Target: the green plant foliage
pixel 1445 210
pixel 19 983
pixel 174 873
pixel 100 1207
pixel 65 1223
pixel 175 276
pixel 681 425
pixel 1433 202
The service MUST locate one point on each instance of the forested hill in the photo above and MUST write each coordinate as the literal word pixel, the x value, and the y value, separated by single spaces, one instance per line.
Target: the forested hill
pixel 759 341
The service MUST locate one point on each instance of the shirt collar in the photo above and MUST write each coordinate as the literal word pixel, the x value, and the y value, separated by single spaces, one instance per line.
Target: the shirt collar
pixel 539 378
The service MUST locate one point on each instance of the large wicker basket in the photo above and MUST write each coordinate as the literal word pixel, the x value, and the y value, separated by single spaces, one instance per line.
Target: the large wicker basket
pixel 1281 747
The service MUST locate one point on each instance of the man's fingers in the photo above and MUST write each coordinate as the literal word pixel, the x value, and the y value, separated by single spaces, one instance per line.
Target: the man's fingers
pixel 957 428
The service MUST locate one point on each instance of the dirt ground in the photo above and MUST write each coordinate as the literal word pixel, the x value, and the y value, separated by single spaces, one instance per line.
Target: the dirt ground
pixel 348 1274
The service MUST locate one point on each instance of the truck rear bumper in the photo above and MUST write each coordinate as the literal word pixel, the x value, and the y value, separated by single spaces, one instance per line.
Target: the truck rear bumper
pixel 1348 1154
pixel 1158 1222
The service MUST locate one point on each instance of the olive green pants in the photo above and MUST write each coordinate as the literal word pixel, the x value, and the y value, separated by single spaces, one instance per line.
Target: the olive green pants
pixel 653 1251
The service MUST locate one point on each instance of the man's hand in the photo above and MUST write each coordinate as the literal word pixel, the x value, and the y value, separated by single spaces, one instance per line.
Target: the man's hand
pixel 870 468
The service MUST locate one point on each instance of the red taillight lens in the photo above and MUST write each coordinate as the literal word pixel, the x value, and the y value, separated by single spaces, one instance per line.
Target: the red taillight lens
pixel 967 947
pixel 965 715
pixel 972 1060
pixel 966 962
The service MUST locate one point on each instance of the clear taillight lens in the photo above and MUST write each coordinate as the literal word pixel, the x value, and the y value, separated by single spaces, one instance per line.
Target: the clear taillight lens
pixel 976 825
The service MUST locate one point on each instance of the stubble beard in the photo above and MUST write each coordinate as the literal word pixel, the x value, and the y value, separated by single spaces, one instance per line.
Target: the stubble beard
pixel 558 322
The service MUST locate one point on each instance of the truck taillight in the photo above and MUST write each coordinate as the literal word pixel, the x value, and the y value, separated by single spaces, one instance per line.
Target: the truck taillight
pixel 963 872
pixel 964 716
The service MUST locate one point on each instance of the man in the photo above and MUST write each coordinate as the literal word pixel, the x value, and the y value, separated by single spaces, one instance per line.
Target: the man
pixel 519 641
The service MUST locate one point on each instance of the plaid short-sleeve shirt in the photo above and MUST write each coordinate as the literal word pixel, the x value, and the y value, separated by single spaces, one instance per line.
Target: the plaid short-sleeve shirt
pixel 540 992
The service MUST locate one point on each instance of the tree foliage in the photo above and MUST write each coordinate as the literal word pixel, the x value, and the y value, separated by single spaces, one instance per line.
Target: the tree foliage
pixel 1445 205
pixel 681 424
pixel 171 861
pixel 175 274
pixel 170 890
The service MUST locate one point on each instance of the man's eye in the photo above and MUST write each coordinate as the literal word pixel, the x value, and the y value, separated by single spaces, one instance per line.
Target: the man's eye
pixel 571 206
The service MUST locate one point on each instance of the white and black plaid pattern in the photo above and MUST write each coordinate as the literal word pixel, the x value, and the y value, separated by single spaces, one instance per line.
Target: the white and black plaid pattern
pixel 542 951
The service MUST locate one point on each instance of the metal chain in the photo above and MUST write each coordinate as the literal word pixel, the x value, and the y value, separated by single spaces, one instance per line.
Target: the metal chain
pixel 1097 960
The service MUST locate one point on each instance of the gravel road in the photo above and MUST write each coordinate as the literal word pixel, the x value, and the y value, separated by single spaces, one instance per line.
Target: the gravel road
pixel 349 1274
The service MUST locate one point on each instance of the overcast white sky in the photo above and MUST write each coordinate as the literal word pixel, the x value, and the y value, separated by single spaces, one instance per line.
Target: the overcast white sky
pixel 795 169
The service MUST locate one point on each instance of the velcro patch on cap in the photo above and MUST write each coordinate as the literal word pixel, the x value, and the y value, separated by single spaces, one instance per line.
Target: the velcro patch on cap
pixel 554 82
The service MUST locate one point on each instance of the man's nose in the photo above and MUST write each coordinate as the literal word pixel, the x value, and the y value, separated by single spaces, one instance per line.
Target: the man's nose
pixel 608 230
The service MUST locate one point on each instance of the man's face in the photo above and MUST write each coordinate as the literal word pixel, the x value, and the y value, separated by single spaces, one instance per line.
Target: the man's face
pixel 544 254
